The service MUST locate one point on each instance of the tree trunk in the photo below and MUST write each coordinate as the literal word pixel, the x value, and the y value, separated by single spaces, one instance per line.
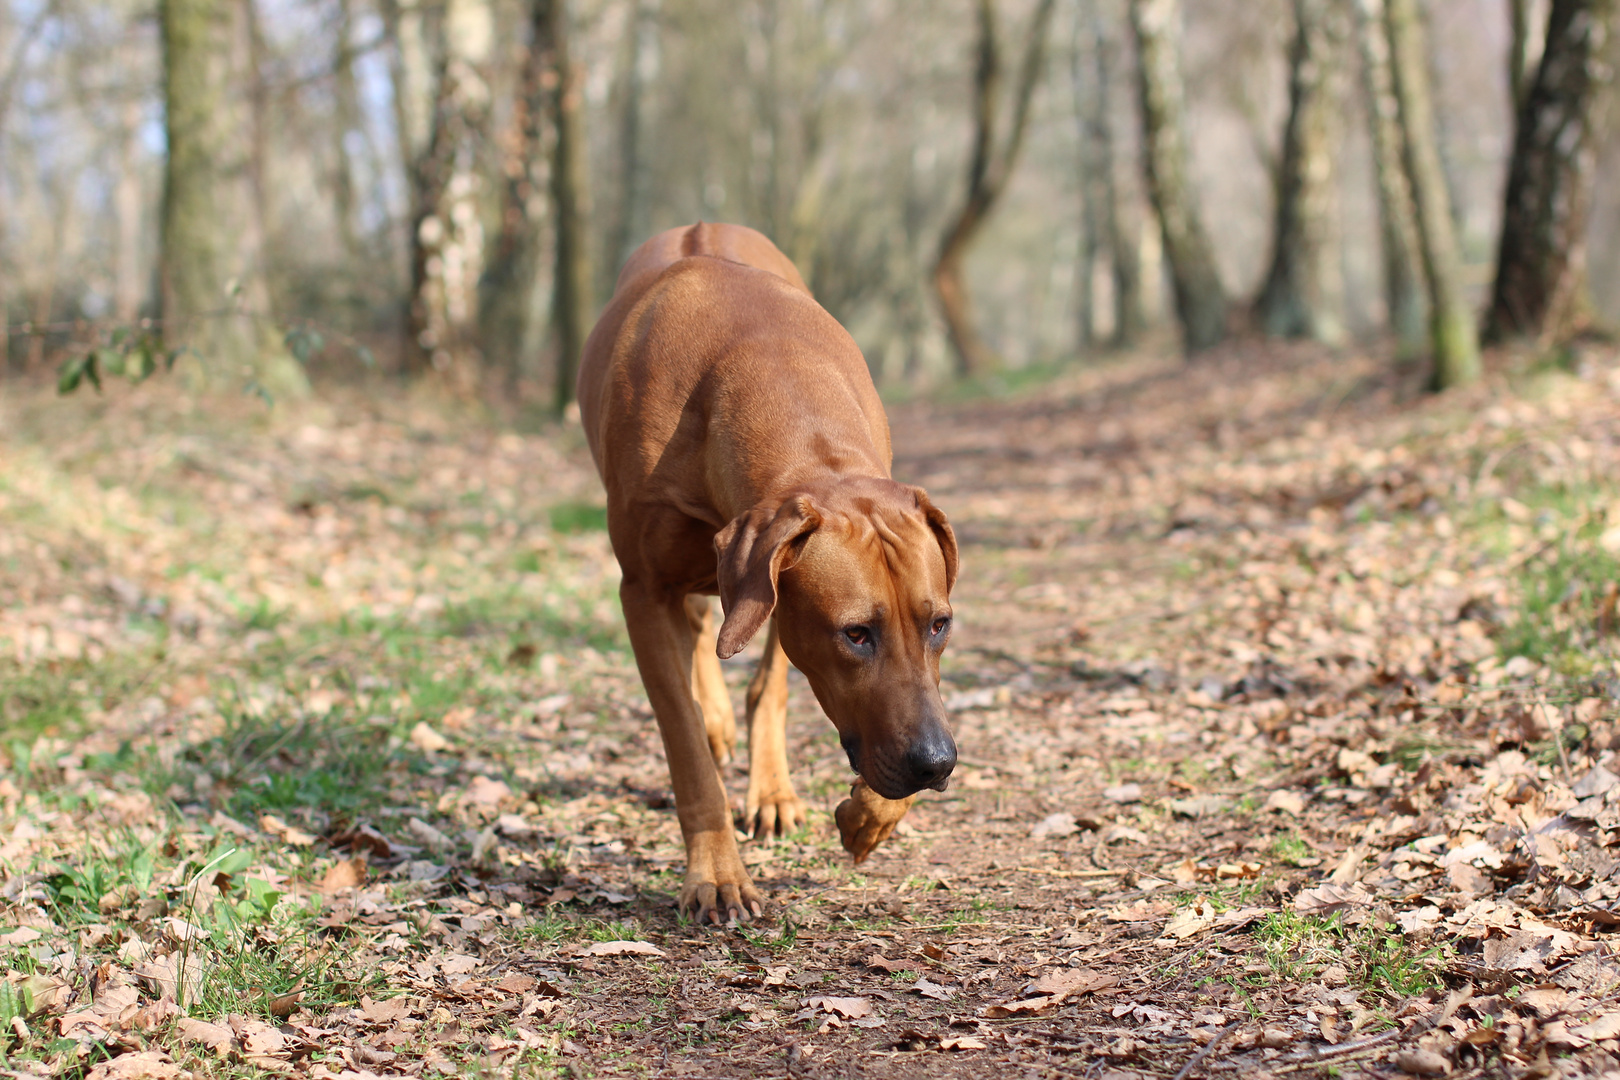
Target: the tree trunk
pixel 635 206
pixel 1451 325
pixel 572 306
pixel 1091 122
pixel 1121 233
pixel 508 290
pixel 214 295
pixel 1195 280
pixel 1540 286
pixel 1403 282
pixel 1518 51
pixel 1303 296
pixel 129 284
pixel 988 172
pixel 447 255
pixel 347 121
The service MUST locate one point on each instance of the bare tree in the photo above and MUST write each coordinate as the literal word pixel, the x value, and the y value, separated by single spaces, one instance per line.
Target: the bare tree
pixel 215 300
pixel 1452 334
pixel 1404 298
pixel 1303 296
pixel 1104 230
pixel 1200 299
pixel 507 293
pixel 1540 285
pixel 447 243
pixel 572 306
pixel 635 171
pixel 990 167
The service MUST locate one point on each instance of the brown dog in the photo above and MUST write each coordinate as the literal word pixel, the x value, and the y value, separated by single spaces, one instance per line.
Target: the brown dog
pixel 745 452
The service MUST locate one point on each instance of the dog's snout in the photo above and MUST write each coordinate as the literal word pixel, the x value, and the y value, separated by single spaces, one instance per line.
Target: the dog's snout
pixel 930 760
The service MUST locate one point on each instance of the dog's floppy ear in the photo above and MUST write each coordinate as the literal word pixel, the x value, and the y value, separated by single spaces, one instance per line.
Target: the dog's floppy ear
pixel 753 551
pixel 942 532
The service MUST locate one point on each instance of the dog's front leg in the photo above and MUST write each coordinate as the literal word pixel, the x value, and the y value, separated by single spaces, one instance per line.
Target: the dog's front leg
pixel 717 887
pixel 773 807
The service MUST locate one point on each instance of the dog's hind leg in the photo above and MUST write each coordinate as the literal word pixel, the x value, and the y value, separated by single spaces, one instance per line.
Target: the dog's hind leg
pixel 773 807
pixel 709 684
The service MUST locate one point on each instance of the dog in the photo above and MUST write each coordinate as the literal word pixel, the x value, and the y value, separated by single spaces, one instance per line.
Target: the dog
pixel 745 452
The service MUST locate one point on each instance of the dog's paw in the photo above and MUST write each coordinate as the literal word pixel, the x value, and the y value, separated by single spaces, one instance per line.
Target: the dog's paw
pixel 866 819
pixel 773 812
pixel 718 889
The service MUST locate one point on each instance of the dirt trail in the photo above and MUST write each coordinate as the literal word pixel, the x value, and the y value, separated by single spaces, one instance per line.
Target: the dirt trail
pixel 1286 700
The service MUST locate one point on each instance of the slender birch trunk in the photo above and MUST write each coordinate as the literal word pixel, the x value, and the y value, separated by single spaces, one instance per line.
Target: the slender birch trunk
pixel 1201 304
pixel 1452 334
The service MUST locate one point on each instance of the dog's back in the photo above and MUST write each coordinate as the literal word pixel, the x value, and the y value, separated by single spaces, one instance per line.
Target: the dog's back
pixel 734 243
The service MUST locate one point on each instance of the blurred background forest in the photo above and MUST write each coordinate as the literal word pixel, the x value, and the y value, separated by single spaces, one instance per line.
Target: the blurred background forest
pixel 261 189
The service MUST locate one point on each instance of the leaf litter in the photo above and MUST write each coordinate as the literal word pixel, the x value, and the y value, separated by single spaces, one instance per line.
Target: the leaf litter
pixel 1286 699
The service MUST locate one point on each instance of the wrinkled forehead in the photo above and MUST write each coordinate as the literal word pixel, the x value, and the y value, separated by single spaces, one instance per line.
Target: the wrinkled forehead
pixel 886 554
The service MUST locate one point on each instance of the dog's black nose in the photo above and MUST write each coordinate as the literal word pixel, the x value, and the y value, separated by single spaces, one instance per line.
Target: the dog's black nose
pixel 930 760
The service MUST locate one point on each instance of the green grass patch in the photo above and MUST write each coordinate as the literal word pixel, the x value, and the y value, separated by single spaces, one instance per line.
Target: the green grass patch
pixel 578 517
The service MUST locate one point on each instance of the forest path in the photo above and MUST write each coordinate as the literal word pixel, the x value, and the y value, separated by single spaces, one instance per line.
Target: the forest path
pixel 1285 697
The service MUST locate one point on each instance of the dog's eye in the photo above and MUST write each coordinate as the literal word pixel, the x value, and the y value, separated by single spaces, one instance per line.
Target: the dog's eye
pixel 857 635
pixel 941 624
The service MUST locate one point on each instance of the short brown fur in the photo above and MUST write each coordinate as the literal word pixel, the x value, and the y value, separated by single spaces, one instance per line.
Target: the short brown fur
pixel 745 453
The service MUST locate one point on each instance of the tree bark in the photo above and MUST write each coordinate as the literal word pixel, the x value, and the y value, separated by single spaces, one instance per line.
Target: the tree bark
pixel 1518 51
pixel 989 170
pixel 1540 288
pixel 635 205
pixel 346 117
pixel 1453 337
pixel 1199 297
pixel 129 286
pixel 1404 299
pixel 447 255
pixel 508 289
pixel 213 291
pixel 1303 296
pixel 1092 121
pixel 1121 232
pixel 572 305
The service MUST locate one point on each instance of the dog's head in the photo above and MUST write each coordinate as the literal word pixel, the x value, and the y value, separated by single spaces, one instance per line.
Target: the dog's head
pixel 859 574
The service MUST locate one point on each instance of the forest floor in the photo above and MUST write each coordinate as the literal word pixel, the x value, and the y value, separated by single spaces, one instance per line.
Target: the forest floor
pixel 1286 698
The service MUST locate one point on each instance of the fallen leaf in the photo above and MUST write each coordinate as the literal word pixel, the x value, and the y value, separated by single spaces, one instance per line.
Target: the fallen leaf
pixel 290 834
pixel 387 1011
pixel 622 948
pixel 428 835
pixel 1024 1007
pixel 1190 921
pixel 1197 806
pixel 1285 801
pixel 217 1037
pixel 1606 1026
pixel 424 738
pixel 1123 793
pixel 850 1008
pixel 1328 898
pixel 1070 982
pixel 1058 825
pixel 111 1009
pixel 1422 1063
pixel 933 990
pixel 141 1065
pixel 344 874
pixel 963 1042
